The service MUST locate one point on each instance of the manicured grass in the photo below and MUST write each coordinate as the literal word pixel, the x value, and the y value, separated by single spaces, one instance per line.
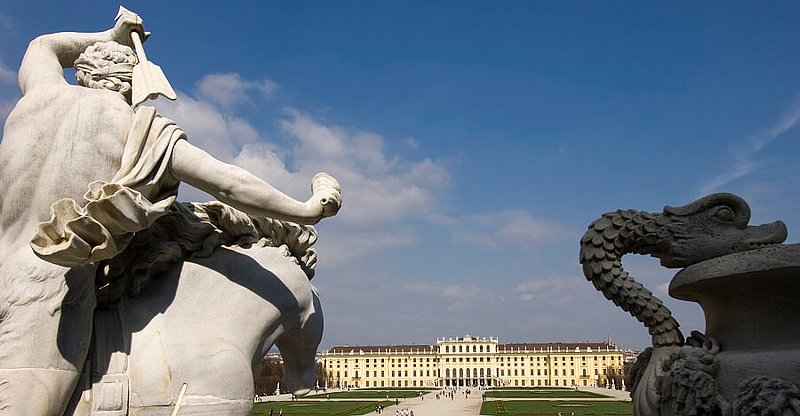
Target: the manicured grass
pixel 399 388
pixel 532 388
pixel 552 408
pixel 540 393
pixel 318 408
pixel 370 394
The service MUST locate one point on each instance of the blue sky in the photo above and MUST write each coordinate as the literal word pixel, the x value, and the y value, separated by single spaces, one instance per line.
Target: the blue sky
pixel 475 141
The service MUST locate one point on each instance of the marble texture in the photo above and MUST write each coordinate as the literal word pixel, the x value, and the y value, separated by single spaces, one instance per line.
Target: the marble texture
pixel 85 175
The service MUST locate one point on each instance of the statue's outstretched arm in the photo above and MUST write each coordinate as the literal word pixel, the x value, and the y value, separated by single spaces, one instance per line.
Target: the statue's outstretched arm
pixel 47 55
pixel 246 192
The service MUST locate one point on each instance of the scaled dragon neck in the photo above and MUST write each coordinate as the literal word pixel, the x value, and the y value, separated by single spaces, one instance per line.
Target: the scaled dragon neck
pixel 602 247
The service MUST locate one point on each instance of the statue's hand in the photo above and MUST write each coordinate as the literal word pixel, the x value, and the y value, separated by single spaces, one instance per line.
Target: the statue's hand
pixel 327 192
pixel 125 23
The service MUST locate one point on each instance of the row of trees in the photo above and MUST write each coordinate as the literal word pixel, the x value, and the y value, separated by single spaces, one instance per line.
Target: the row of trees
pixel 617 376
pixel 269 372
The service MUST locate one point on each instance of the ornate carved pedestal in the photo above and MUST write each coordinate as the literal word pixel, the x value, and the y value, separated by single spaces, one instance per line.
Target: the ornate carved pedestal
pixel 751 302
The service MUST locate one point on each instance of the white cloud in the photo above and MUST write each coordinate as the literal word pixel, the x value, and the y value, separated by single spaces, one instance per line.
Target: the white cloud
pixel 341 250
pixel 7 76
pixel 229 89
pixel 411 142
pixel 385 189
pixel 553 290
pixel 378 189
pixel 5 109
pixel 231 140
pixel 743 157
pixel 454 297
pixel 495 229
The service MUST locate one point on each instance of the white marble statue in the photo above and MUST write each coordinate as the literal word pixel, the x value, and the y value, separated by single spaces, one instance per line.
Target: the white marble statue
pixel 85 178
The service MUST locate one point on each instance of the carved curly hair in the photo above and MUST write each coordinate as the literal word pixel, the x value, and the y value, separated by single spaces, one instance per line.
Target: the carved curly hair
pixel 106 65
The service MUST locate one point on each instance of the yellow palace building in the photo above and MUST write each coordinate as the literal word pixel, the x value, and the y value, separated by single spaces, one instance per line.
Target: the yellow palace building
pixel 472 361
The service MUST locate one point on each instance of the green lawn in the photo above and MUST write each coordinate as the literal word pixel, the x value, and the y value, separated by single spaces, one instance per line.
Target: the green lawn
pixel 370 394
pixel 540 393
pixel 553 408
pixel 318 408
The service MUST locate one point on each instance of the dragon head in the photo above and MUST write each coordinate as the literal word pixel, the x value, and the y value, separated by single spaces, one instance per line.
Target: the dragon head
pixel 709 227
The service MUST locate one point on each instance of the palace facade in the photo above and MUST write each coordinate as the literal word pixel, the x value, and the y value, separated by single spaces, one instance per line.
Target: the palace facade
pixel 472 361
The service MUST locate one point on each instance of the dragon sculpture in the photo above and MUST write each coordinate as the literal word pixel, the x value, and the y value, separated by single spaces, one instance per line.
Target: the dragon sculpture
pixel 710 227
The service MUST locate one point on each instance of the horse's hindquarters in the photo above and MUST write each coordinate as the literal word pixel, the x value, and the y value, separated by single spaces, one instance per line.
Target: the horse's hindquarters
pixel 205 323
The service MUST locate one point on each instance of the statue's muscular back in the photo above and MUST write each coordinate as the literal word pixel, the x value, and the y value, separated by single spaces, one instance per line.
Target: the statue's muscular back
pixel 58 139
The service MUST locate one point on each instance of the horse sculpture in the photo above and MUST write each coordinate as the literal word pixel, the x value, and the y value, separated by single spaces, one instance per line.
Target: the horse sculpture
pixel 187 342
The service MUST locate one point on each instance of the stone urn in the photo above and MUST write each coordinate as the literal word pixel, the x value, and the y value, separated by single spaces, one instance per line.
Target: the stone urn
pixel 751 302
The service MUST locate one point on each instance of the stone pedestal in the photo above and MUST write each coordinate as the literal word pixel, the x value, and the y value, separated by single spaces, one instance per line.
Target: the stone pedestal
pixel 751 302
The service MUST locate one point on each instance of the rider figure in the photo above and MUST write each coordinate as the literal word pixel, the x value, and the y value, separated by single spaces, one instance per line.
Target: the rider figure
pixel 59 139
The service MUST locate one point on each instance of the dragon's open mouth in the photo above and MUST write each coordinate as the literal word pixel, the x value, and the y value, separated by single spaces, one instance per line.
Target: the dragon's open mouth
pixel 774 234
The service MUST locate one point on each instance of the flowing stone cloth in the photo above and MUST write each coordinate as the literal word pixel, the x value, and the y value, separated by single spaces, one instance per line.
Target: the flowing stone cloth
pixel 140 193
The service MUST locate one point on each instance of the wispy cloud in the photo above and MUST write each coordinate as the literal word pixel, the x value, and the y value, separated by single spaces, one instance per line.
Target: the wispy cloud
pixel 229 89
pixel 387 188
pixel 5 23
pixel 7 76
pixel 5 109
pixel 455 297
pixel 552 290
pixel 494 229
pixel 744 156
pixel 344 250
